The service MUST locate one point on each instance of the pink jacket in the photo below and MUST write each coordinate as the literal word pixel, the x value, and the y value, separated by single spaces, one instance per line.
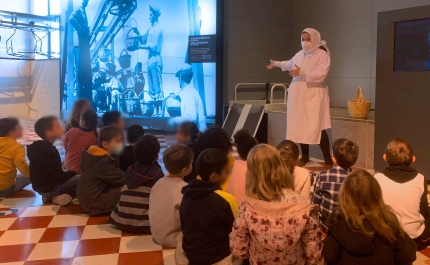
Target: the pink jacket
pixel 284 232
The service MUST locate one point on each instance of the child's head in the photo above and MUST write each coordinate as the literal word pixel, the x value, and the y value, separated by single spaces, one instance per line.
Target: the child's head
pixel 214 138
pixel 267 175
pixel 113 118
pixel 178 160
pixel 110 139
pixel 10 127
pixel 49 128
pixel 360 198
pixel 187 132
pixel 89 120
pixel 78 107
pixel 345 153
pixel 134 132
pixel 146 149
pixel 212 166
pixel 289 152
pixel 244 142
pixel 399 153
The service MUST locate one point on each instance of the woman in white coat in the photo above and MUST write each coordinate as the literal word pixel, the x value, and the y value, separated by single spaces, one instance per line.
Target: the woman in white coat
pixel 308 106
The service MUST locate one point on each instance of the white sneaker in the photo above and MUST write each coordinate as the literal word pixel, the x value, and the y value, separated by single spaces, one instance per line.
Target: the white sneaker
pixel 63 199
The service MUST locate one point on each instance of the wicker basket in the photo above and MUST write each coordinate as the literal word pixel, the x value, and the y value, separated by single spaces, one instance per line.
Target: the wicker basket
pixel 358 107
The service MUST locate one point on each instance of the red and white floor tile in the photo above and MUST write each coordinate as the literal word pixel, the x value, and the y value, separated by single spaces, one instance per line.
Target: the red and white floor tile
pixel 33 233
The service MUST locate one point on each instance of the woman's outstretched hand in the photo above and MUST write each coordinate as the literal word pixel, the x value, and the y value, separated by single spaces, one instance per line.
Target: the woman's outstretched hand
pixel 295 72
pixel 271 65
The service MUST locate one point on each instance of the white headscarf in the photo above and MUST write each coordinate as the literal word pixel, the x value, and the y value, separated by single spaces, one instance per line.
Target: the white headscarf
pixel 316 40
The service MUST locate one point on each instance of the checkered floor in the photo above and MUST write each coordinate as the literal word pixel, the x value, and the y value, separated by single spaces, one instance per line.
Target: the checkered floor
pixel 34 233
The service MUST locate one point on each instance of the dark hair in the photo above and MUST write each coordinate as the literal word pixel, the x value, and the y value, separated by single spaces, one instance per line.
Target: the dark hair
pixel 111 117
pixel 75 115
pixel 146 149
pixel 106 134
pixel 189 128
pixel 91 119
pixel 244 142
pixel 43 125
pixel 210 161
pixel 289 152
pixel 7 125
pixel 214 138
pixel 346 152
pixel 134 132
pixel 399 152
pixel 177 157
pixel 187 76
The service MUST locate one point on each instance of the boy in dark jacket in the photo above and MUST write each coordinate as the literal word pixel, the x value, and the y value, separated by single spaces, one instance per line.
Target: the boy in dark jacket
pixel 207 213
pixel 46 173
pixel 131 213
pixel 99 187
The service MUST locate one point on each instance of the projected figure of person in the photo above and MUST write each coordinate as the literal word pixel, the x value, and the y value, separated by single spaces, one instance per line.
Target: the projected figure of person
pixel 192 108
pixel 79 22
pixel 153 42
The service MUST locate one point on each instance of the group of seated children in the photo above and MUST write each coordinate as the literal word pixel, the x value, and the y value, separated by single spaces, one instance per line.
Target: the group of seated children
pixel 367 219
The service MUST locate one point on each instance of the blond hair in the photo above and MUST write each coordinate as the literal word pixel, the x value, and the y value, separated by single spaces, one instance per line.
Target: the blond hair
pixel 267 175
pixel 360 198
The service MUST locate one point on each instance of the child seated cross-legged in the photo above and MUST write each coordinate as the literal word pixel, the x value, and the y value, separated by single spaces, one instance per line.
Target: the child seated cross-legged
pixel 364 230
pixel 12 157
pixel 302 177
pixel 46 172
pixel 328 182
pixel 165 198
pixel 131 213
pixel 405 190
pixel 78 139
pixel 207 213
pixel 127 159
pixel 99 187
pixel 274 224
pixel 244 142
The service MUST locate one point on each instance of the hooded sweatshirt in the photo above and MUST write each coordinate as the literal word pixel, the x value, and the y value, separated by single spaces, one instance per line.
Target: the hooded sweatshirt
pixel 99 187
pixel 12 157
pixel 131 213
pixel 46 172
pixel 410 205
pixel 277 232
pixel 207 214
pixel 342 246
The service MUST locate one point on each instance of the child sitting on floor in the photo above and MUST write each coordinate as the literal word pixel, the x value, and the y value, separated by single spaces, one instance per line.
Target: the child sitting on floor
pixel 113 118
pixel 302 177
pixel 328 182
pixel 12 157
pixel 405 190
pixel 127 159
pixel 364 230
pixel 78 139
pixel 131 213
pixel 244 142
pixel 46 169
pixel 165 198
pixel 274 225
pixel 99 188
pixel 207 213
pixel 187 134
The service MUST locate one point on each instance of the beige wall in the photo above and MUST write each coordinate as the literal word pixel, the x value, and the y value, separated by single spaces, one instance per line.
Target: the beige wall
pixel 350 28
pixel 254 32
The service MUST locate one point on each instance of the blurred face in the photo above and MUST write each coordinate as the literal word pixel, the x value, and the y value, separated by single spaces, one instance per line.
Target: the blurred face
pixel 306 37
pixel 152 17
pixel 120 124
pixel 115 146
pixel 56 132
pixel 222 177
pixel 182 138
pixel 16 133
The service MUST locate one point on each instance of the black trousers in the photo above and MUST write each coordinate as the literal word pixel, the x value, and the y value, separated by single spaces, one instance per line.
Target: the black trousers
pixel 325 148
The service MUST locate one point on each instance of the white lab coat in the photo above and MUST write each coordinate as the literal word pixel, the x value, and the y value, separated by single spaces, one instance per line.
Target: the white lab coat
pixel 192 107
pixel 308 105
